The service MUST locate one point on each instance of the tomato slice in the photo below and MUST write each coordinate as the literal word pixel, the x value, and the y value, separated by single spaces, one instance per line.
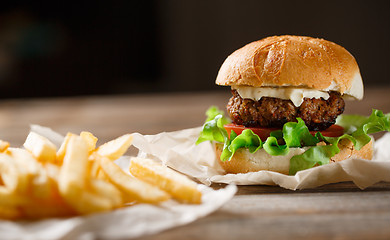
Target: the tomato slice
pixel 333 131
pixel 264 133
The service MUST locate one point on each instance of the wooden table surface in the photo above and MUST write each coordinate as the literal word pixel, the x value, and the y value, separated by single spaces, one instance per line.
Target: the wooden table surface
pixel 335 211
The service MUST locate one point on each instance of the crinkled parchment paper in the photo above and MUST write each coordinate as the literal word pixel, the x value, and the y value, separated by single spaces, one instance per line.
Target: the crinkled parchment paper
pixel 128 222
pixel 178 150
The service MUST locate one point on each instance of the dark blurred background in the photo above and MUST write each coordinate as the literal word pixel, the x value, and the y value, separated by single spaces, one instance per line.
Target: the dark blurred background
pixel 118 47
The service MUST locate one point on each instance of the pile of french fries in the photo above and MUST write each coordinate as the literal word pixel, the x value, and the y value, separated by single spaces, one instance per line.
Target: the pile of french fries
pixel 40 181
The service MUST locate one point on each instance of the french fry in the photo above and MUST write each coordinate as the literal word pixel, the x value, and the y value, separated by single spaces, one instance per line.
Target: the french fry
pixel 42 186
pixel 40 182
pixel 29 169
pixel 75 163
pixel 179 186
pixel 24 160
pixel 73 173
pixel 92 203
pixel 10 199
pixel 61 151
pixel 94 165
pixel 10 176
pixel 10 213
pixel 36 181
pixel 72 180
pixel 107 190
pixel 3 146
pixel 116 148
pixel 90 139
pixel 46 209
pixel 54 201
pixel 52 172
pixel 51 206
pixel 131 187
pixel 102 176
pixel 40 147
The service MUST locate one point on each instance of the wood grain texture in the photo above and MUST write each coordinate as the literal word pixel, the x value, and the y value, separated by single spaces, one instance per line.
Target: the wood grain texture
pixel 334 211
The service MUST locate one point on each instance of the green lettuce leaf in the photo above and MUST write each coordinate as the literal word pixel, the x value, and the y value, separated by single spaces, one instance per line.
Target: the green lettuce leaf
pixel 292 135
pixel 272 147
pixel 213 111
pixel 350 122
pixel 247 139
pixel 296 134
pixel 319 155
pixel 213 129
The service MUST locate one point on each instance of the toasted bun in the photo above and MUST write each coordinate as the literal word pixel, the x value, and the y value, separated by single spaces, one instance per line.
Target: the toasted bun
pixel 293 61
pixel 243 161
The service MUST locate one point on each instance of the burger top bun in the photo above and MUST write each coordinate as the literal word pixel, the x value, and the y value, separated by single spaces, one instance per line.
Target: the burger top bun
pixel 293 61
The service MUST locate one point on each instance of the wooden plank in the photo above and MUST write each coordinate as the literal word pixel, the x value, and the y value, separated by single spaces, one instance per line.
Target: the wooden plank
pixel 334 187
pixel 333 211
pixel 298 215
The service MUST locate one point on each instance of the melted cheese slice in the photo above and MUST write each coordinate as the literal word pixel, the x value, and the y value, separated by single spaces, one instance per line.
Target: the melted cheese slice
pixel 296 95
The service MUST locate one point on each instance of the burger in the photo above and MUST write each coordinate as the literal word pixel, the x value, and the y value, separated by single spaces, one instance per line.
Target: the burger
pixel 288 94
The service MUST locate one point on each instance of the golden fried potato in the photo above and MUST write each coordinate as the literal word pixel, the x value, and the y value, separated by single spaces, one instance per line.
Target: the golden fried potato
pixel 107 190
pixel 36 209
pixel 10 213
pixel 90 139
pixel 132 188
pixel 116 148
pixel 3 146
pixel 29 169
pixel 14 179
pixel 40 147
pixel 10 199
pixel 179 186
pixel 41 182
pixel 72 180
pixel 61 151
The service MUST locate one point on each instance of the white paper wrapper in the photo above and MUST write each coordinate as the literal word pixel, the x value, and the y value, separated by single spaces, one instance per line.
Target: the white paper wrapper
pixel 178 150
pixel 128 222
pixel 123 223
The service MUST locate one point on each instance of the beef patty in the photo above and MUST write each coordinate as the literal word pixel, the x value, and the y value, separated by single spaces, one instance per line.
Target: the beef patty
pixel 318 114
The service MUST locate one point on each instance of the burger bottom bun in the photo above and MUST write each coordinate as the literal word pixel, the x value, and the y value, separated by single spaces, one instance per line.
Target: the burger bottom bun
pixel 243 161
